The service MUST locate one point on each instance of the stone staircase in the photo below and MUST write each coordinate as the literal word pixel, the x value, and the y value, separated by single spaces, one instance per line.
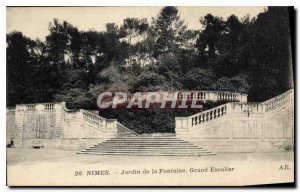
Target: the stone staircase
pixel 146 145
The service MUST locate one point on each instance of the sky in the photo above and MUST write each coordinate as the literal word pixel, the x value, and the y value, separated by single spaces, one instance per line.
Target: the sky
pixel 33 22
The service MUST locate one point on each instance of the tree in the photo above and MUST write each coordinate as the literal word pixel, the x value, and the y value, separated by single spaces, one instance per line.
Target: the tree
pixel 209 39
pixel 134 32
pixel 169 67
pixel 233 54
pixel 149 81
pixel 237 83
pixel 76 99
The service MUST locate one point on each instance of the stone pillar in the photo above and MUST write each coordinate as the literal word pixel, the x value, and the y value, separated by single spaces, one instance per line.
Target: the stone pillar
pixel 40 109
pixel 229 108
pixel 19 122
pixel 208 96
pixel 58 123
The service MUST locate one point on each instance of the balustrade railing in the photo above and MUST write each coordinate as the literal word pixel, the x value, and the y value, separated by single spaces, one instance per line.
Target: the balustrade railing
pixel 39 106
pixel 238 108
pixel 208 115
pixel 109 126
pixel 241 107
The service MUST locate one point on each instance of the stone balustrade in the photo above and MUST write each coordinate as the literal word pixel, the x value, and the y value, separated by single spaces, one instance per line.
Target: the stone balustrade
pixel 107 126
pixel 37 107
pixel 238 108
pixel 30 107
pixel 93 118
pixel 49 106
pixel 231 120
pixel 196 95
pixel 208 115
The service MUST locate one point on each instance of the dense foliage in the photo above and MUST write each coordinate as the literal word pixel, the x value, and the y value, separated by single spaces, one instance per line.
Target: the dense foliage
pixel 237 54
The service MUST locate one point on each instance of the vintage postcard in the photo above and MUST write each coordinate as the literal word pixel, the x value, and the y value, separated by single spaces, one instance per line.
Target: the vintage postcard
pixel 149 96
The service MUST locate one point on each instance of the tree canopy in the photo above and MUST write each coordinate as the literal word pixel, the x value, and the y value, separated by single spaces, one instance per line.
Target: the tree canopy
pixel 246 54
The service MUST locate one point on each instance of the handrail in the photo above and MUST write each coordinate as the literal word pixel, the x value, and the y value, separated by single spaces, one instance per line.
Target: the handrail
pixel 222 110
pixel 277 101
pixel 198 95
pixel 205 91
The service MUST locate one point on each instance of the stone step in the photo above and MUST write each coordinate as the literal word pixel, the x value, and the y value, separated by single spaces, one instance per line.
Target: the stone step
pixel 138 137
pixel 147 147
pixel 150 152
pixel 145 153
pixel 149 139
pixel 143 143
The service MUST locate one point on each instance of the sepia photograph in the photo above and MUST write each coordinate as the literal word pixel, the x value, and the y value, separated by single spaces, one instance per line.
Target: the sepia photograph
pixel 150 96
